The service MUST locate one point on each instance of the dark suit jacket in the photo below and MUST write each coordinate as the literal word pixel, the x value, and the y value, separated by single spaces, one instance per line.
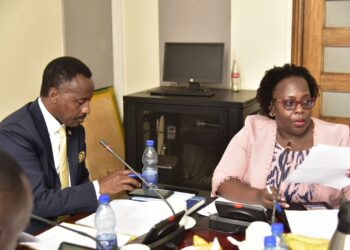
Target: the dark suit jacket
pixel 24 135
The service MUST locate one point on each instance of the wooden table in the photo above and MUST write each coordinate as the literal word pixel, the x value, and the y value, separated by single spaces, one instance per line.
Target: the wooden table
pixel 209 235
pixel 201 228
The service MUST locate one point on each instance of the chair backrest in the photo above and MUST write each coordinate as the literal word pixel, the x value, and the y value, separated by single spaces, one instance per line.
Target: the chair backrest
pixel 103 123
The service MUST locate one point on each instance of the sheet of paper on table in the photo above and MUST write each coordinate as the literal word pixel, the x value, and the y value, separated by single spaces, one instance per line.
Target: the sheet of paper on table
pixel 324 165
pixel 136 218
pixel 52 238
pixel 313 223
pixel 210 208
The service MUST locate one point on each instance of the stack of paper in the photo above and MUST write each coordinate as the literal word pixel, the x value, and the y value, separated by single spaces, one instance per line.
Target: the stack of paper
pixel 211 208
pixel 324 165
pixel 193 202
pixel 136 218
pixel 52 238
pixel 313 223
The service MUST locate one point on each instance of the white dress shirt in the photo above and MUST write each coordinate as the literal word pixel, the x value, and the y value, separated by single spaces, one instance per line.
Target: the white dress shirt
pixel 53 127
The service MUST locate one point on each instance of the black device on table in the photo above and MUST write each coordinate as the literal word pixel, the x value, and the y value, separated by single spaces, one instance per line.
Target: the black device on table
pixel 71 246
pixel 149 193
pixel 181 189
pixel 167 231
pixel 241 211
pixel 236 217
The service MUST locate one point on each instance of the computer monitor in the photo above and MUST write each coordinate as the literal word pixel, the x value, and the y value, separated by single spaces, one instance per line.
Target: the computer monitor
pixel 194 63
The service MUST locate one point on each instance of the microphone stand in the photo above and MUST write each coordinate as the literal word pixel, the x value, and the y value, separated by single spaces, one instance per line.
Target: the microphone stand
pixel 275 198
pixel 53 223
pixel 109 149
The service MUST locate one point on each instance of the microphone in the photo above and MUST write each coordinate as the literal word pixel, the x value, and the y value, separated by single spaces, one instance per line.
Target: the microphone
pixel 54 223
pixel 164 232
pixel 106 146
pixel 275 198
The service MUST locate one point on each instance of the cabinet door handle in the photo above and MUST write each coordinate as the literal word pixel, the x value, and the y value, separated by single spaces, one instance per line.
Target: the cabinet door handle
pixel 165 167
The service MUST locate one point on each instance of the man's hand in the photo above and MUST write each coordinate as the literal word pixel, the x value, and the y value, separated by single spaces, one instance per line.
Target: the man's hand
pixel 118 181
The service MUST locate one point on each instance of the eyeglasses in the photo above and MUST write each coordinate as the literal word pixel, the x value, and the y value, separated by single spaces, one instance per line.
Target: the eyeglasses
pixel 291 104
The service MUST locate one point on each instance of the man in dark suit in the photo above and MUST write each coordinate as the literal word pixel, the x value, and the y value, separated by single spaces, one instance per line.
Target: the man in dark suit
pixel 31 134
pixel 16 202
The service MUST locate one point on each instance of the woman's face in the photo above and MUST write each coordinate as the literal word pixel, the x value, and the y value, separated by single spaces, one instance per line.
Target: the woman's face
pixel 296 121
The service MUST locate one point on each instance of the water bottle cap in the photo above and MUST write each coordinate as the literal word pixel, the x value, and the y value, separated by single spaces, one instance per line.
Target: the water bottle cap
pixel 149 143
pixel 103 199
pixel 277 228
pixel 270 241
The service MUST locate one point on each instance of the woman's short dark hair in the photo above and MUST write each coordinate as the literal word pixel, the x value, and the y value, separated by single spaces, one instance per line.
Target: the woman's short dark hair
pixel 273 76
pixel 62 69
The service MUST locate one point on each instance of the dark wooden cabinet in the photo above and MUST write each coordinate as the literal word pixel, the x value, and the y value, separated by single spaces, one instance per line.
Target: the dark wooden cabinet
pixel 190 133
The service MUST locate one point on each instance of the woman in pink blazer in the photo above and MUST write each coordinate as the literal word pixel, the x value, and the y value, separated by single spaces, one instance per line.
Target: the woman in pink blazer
pixel 272 145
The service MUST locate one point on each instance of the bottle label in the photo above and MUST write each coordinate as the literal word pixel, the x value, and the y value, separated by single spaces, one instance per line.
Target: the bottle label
pixel 108 241
pixel 151 176
pixel 235 75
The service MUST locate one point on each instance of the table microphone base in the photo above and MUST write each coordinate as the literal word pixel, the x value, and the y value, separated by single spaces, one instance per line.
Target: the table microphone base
pixel 174 237
pixel 227 225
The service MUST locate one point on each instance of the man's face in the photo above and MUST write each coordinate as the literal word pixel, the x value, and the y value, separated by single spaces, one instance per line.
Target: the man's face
pixel 71 101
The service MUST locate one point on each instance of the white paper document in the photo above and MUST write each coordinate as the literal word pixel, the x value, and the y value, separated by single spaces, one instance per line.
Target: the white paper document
pixel 324 165
pixel 211 208
pixel 313 223
pixel 136 218
pixel 52 238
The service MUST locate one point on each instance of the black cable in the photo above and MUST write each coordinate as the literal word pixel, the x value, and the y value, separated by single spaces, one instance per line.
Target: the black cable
pixel 53 223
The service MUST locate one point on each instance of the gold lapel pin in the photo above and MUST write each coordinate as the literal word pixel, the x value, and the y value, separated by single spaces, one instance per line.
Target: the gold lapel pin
pixel 81 156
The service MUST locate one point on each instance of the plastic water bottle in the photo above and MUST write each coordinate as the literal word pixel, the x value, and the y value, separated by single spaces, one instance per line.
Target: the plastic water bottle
pixel 105 223
pixel 150 161
pixel 235 77
pixel 277 231
pixel 270 243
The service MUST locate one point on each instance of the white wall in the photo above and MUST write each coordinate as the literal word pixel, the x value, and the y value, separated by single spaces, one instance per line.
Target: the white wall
pixel 30 36
pixel 261 37
pixel 141 45
pixel 88 36
pixel 135 46
pixel 118 51
pixel 260 30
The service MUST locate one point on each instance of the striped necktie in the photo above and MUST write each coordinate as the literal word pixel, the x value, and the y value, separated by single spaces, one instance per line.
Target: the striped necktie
pixel 64 166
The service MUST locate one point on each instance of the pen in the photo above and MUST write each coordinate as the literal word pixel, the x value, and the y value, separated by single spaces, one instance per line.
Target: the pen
pixel 135 175
pixel 278 206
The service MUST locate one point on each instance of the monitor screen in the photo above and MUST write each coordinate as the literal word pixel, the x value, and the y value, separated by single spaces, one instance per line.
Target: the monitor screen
pixel 193 62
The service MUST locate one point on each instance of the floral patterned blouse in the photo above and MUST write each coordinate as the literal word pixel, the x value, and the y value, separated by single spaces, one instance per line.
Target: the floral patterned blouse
pixel 279 171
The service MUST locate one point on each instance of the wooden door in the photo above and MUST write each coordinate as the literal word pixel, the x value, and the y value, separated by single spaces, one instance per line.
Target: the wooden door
pixel 321 43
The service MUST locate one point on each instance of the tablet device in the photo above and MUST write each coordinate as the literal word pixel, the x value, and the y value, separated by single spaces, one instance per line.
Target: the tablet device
pixel 148 193
pixel 316 205
pixel 71 246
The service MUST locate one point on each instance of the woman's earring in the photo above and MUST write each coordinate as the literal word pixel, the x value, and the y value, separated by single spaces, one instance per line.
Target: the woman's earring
pixel 271 114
